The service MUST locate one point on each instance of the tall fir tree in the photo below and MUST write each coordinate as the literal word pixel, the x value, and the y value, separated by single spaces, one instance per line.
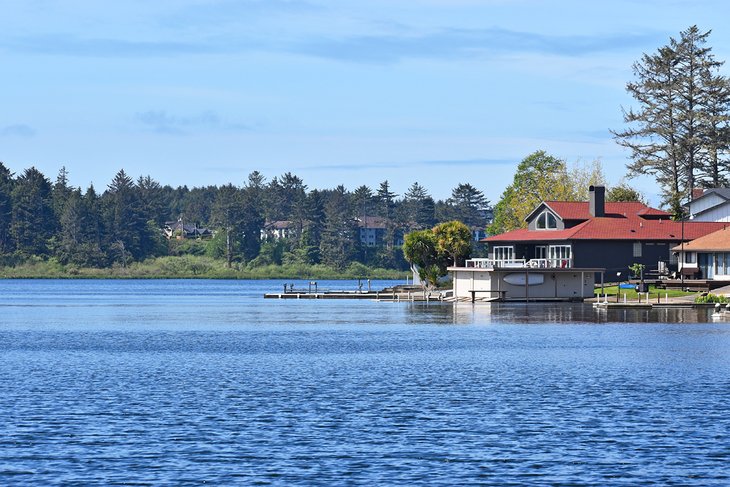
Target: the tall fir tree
pixel 6 209
pixel 676 133
pixel 33 221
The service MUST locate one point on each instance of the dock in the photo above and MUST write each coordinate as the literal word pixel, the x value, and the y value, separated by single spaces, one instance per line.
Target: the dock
pixel 397 294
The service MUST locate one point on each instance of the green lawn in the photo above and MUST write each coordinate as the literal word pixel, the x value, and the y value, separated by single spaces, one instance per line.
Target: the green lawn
pixel 632 295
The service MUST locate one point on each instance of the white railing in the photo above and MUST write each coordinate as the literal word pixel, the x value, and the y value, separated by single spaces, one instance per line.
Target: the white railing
pixel 519 263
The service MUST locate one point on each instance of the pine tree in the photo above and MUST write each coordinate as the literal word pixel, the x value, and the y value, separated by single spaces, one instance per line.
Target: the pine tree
pixel 676 132
pixel 126 223
pixel 419 208
pixel 6 209
pixel 227 216
pixel 339 236
pixel 468 205
pixel 33 221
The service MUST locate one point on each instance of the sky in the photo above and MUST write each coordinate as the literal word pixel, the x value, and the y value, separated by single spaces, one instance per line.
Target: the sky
pixel 439 92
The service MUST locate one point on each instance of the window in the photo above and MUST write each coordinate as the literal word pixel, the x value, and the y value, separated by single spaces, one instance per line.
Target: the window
pixel 504 253
pixel 541 252
pixel 637 249
pixel 560 252
pixel 546 221
pixel 690 257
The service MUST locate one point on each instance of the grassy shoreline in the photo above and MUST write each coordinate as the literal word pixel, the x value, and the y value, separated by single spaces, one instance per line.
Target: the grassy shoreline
pixel 193 267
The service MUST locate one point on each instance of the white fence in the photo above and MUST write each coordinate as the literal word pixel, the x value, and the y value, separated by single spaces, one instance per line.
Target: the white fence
pixel 519 264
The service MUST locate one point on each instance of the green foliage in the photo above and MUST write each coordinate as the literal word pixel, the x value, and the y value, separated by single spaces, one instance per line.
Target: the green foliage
pixel 454 240
pixel 539 177
pixel 623 192
pixel 711 298
pixel 432 250
pixel 637 269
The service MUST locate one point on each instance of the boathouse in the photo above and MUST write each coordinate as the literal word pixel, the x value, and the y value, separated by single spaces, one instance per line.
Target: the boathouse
pixel 523 280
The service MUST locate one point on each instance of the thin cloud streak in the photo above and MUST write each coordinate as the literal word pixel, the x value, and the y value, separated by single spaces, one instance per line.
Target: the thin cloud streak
pixel 378 49
pixel 159 121
pixel 17 130
pixel 401 165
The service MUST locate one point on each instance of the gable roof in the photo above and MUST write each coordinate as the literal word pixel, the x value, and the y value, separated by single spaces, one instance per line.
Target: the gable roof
pixel 715 241
pixel 376 222
pixel 579 210
pixel 723 193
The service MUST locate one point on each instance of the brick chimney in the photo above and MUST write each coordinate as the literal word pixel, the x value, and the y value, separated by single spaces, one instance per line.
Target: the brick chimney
pixel 597 200
pixel 697 192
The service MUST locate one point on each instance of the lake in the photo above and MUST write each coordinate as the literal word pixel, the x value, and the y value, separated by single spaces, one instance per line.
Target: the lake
pixel 204 382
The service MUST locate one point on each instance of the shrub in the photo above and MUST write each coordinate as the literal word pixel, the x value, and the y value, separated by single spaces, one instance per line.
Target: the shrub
pixel 710 298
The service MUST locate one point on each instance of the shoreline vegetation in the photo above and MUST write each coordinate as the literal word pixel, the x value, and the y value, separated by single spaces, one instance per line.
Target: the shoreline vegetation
pixel 194 267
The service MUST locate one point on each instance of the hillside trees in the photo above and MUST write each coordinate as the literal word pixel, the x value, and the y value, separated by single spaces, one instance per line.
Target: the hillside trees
pixel 678 132
pixel 124 224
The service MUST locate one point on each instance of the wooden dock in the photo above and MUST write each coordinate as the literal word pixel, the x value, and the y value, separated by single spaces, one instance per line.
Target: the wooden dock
pixel 384 295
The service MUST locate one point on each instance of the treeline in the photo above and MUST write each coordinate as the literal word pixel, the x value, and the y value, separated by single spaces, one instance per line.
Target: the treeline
pixel 123 224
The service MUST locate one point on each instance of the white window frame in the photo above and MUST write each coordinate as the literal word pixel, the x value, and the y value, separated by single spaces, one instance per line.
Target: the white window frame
pixel 544 217
pixel 637 250
pixel 504 252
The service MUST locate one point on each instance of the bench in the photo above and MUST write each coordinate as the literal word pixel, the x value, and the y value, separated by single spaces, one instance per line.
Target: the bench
pixel 475 291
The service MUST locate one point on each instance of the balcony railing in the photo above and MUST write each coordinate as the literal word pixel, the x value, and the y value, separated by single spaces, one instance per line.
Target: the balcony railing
pixel 519 263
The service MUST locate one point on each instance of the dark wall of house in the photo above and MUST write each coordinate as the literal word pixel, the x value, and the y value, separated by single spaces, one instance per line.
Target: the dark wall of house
pixel 617 256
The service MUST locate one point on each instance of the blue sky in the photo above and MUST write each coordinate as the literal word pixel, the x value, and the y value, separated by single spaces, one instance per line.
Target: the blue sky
pixel 338 92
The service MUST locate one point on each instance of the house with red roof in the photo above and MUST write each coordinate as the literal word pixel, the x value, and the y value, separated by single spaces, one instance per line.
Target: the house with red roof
pixel 597 234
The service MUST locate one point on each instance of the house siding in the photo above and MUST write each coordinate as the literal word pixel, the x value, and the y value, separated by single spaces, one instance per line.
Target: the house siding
pixel 617 256
pixel 702 204
pixel 720 213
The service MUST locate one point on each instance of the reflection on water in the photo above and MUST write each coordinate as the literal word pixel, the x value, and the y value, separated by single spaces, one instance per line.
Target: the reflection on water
pixel 191 382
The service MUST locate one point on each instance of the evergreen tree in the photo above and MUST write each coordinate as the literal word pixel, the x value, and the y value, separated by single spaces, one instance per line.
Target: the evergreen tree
pixel 252 221
pixel 6 209
pixel 127 235
pixel 362 201
pixel 60 193
pixel 676 132
pixel 385 200
pixel 338 244
pixel 33 221
pixel 419 208
pixel 151 203
pixel 468 205
pixel 228 217
pixel 312 239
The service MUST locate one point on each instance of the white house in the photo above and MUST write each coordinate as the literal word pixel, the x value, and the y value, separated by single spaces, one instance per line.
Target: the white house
pixel 706 257
pixel 713 205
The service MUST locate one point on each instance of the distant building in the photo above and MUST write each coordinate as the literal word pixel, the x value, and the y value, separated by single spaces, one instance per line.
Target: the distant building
pixel 180 230
pixel 372 230
pixel 277 230
pixel 710 205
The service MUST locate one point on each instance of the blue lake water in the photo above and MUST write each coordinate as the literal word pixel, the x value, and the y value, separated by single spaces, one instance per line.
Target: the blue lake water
pixel 205 382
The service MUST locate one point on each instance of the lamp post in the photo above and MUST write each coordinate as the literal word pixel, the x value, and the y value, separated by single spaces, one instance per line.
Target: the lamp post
pixel 680 265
